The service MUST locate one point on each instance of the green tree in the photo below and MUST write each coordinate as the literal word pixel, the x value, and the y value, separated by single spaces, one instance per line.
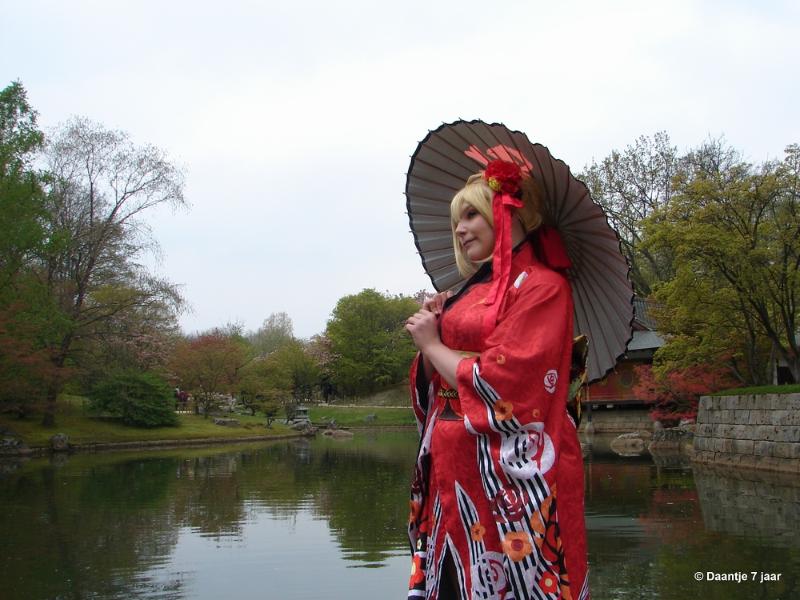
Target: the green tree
pixel 705 325
pixel 264 383
pixel 286 376
pixel 139 399
pixel 303 371
pixel 29 320
pixel 734 230
pixel 369 346
pixel 21 197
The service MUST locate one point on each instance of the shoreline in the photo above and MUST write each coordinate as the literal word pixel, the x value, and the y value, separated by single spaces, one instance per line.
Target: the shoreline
pixel 40 451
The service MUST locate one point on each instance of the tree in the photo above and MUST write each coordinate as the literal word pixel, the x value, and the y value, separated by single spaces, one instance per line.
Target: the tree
pixel 303 371
pixel 27 318
pixel 276 331
pixel 140 339
pixel 209 366
pixel 735 229
pixel 319 349
pixel 270 410
pixel 139 399
pixel 21 198
pixel 100 185
pixel 675 394
pixel 287 376
pixel 264 383
pixel 370 348
pixel 25 367
pixel 631 186
pixel 704 323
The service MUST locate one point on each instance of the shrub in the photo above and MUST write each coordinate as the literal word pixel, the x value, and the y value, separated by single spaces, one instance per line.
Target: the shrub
pixel 139 399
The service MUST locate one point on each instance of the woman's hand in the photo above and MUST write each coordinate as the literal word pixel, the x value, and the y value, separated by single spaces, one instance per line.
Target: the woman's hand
pixel 424 329
pixel 435 303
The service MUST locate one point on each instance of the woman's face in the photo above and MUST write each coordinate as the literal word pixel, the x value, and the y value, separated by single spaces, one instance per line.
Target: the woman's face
pixel 474 234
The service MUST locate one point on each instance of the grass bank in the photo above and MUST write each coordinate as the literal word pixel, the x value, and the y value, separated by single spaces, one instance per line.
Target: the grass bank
pixel 762 389
pixel 361 416
pixel 72 420
pixel 395 396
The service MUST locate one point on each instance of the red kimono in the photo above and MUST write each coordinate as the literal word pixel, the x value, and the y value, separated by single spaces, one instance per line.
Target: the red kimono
pixel 498 484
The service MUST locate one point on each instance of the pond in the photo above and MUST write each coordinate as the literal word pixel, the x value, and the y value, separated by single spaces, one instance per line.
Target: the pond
pixel 326 518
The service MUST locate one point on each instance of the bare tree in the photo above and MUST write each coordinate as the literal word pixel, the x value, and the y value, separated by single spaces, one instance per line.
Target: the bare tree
pixel 631 186
pixel 100 186
pixel 276 332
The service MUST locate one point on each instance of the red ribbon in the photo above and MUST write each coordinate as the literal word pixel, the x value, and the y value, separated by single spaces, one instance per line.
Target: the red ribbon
pixel 502 205
pixel 552 249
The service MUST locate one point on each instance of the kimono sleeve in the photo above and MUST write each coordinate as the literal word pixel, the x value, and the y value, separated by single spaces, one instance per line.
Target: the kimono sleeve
pixel 523 373
pixel 420 391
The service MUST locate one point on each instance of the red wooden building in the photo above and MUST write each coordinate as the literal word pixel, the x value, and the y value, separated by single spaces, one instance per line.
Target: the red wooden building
pixel 617 387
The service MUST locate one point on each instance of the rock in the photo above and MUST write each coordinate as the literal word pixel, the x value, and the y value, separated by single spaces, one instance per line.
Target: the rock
pixel 305 428
pixel 309 431
pixel 628 444
pixel 9 443
pixel 337 433
pixel 226 422
pixel 677 439
pixel 59 442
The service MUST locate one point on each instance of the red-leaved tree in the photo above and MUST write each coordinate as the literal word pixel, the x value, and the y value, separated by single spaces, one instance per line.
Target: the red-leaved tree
pixel 675 394
pixel 209 366
pixel 26 370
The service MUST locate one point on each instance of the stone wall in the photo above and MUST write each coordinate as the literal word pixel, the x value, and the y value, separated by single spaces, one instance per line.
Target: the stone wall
pixel 760 431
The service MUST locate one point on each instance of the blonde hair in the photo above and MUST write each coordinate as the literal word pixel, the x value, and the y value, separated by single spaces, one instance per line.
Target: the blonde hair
pixel 479 195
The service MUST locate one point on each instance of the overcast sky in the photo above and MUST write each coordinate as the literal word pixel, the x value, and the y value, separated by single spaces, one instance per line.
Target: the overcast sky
pixel 295 120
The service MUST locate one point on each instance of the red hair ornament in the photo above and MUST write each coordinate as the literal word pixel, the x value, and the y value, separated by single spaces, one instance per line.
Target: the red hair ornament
pixel 504 177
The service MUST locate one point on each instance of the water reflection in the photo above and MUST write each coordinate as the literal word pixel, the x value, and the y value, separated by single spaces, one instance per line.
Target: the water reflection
pixel 750 504
pixel 169 524
pixel 652 524
pixel 314 518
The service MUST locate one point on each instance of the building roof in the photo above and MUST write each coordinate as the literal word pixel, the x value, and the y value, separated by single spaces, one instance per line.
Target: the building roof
pixel 645 340
pixel 642 316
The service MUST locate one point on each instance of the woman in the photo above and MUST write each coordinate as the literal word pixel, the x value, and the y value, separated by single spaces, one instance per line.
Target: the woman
pixel 497 497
